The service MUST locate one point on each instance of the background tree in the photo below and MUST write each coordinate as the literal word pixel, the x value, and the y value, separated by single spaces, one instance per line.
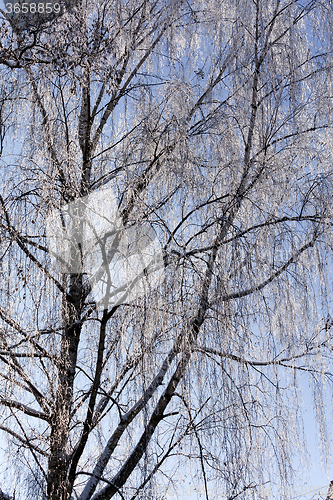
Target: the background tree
pixel 211 123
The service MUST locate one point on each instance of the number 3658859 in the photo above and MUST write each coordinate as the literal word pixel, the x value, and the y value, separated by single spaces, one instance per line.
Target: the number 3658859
pixel 33 8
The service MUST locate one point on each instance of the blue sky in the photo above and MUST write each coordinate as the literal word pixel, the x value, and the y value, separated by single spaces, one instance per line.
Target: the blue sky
pixel 313 482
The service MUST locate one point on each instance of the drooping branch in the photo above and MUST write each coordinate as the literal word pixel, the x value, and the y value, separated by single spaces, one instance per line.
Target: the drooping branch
pixel 23 440
pixel 272 277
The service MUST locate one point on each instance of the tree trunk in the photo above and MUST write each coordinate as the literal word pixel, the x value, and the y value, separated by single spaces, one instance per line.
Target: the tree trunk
pixel 58 464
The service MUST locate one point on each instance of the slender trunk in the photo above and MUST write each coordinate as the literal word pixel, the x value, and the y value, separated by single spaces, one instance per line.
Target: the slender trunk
pixel 58 482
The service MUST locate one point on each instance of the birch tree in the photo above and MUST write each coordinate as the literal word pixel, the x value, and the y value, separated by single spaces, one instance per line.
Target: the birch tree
pixel 201 130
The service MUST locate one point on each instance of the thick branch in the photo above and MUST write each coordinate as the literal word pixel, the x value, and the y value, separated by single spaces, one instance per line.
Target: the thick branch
pixel 24 408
